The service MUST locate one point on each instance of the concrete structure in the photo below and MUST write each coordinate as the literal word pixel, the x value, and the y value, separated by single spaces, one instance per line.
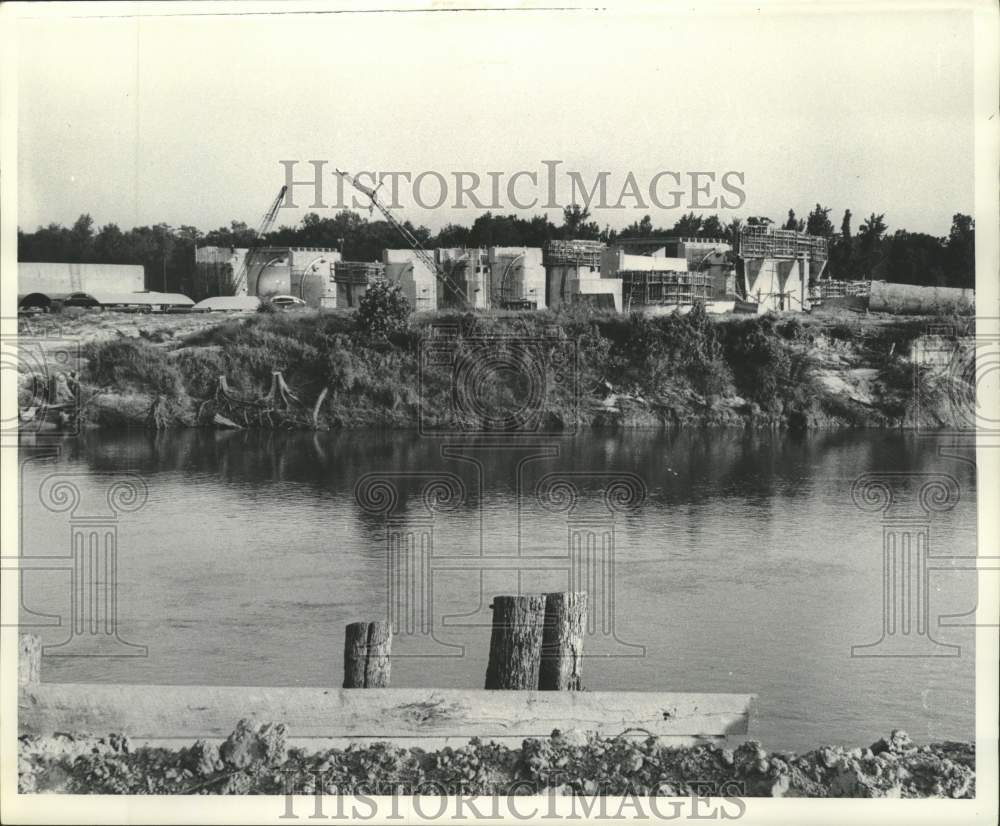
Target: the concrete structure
pixel 774 284
pixel 594 291
pixel 495 277
pixel 778 265
pixel 517 278
pixel 909 299
pixel 228 304
pixel 696 271
pixel 41 284
pixel 470 270
pixel 352 279
pixel 304 272
pixel 419 283
pixel 615 260
pixel 147 301
pixel 216 269
pixel 693 250
pixel 573 271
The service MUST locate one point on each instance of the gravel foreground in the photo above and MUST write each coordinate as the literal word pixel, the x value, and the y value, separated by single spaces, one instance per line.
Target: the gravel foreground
pixel 256 759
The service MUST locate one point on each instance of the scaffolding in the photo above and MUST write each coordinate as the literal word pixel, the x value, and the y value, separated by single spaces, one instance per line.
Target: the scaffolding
pixel 665 287
pixel 358 272
pixel 831 288
pixel 764 241
pixel 574 253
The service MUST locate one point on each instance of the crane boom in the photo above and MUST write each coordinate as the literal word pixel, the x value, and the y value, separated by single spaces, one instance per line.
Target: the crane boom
pixel 423 255
pixel 263 228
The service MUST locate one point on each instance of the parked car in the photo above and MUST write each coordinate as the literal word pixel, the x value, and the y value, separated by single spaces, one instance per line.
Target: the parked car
pixel 81 300
pixel 287 302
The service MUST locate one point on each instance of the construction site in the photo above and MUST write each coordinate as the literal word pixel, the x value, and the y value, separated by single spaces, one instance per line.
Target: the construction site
pixel 762 269
pixel 766 269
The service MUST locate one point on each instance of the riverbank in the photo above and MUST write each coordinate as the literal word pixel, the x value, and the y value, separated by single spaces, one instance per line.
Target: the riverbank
pixel 541 371
pixel 258 760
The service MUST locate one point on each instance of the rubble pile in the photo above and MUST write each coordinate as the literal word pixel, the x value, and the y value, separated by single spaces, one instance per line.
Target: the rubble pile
pixel 256 759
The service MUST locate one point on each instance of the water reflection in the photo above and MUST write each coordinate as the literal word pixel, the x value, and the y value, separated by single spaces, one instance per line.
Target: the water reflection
pixel 744 567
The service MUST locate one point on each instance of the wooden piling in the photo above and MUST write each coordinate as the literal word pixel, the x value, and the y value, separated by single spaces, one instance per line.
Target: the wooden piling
pixel 561 666
pixel 367 647
pixel 516 642
pixel 29 660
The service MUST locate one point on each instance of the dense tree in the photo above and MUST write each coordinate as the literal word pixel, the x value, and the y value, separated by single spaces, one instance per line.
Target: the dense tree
pixel 961 250
pixel 869 243
pixel 818 222
pixel 793 222
pixel 576 225
pixel 167 252
pixel 688 225
pixel 712 227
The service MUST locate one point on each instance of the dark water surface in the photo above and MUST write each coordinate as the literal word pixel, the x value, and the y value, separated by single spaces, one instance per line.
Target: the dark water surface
pixel 746 567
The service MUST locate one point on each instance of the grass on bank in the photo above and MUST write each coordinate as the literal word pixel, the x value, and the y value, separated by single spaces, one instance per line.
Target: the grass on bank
pixel 673 369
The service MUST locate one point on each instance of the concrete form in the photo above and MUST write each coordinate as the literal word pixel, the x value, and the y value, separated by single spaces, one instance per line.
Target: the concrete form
pixel 517 278
pixel 216 269
pixel 909 299
pixel 305 272
pixel 616 260
pixel 352 279
pixel 39 284
pixel 777 266
pixel 419 284
pixel 693 250
pixel 699 270
pixel 573 270
pixel 470 270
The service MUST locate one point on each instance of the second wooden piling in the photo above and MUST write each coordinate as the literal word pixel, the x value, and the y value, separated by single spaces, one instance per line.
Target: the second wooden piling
pixel 367 647
pixel 516 642
pixel 561 666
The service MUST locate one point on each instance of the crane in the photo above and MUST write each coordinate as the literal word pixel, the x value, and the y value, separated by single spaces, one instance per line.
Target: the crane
pixel 263 228
pixel 423 255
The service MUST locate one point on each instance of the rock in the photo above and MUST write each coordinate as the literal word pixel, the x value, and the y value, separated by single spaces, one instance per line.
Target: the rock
pixel 897 743
pixel 633 763
pixel 827 757
pixel 781 785
pixel 749 757
pixel 574 737
pixel 251 745
pixel 203 759
pixel 226 424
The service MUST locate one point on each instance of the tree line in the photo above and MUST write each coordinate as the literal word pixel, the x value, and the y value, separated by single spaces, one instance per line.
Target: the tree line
pixel 868 252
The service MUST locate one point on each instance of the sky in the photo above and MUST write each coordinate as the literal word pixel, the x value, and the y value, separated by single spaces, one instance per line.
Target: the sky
pixel 185 119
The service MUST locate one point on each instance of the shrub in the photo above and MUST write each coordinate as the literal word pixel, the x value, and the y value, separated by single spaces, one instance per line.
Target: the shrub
pixel 132 364
pixel 383 309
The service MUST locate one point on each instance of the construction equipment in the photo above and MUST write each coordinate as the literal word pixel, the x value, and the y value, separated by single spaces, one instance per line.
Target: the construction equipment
pixel 423 255
pixel 263 228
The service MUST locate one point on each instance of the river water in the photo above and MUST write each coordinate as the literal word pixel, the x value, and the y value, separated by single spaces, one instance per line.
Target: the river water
pixel 720 561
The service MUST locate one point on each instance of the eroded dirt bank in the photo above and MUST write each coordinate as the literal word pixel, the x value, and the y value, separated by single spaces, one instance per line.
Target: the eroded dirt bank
pixel 576 370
